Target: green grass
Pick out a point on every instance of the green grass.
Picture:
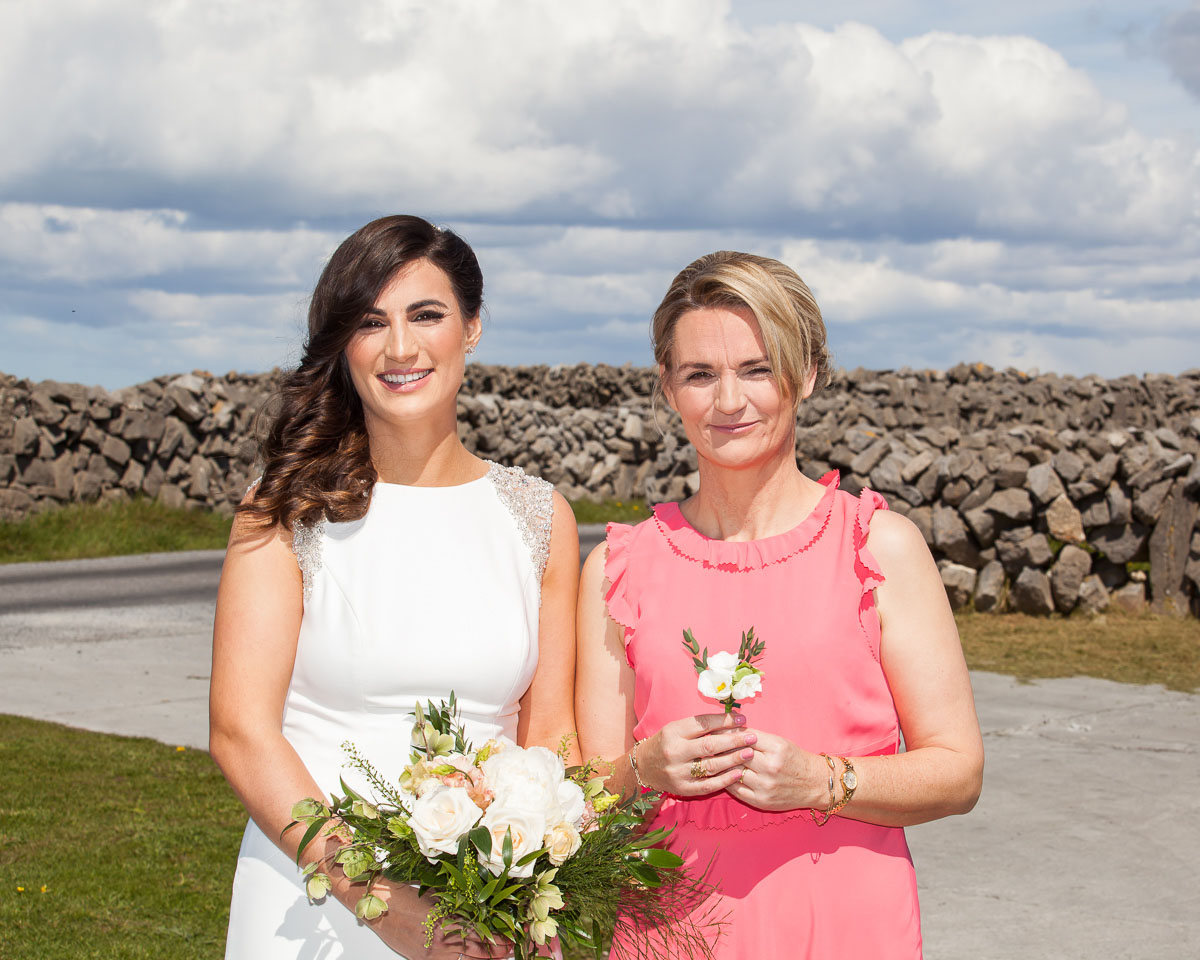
(125, 847)
(1115, 646)
(618, 511)
(81, 530)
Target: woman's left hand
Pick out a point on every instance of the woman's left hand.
(781, 776)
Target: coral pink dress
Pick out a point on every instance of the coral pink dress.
(789, 888)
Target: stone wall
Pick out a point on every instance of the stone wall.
(1036, 493)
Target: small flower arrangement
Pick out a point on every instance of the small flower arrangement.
(724, 677)
(510, 844)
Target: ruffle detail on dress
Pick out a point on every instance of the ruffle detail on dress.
(741, 556)
(866, 567)
(616, 566)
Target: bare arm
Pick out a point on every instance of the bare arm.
(941, 771)
(604, 701)
(259, 607)
(547, 708)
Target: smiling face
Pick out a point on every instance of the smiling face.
(406, 359)
(720, 382)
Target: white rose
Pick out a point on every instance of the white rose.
(440, 817)
(562, 842)
(749, 686)
(723, 661)
(571, 801)
(527, 826)
(526, 779)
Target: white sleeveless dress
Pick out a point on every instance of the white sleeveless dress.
(435, 589)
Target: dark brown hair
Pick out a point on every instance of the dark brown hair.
(316, 457)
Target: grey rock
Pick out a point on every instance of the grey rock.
(1064, 521)
(1169, 545)
(1130, 598)
(989, 588)
(1043, 483)
(886, 476)
(982, 524)
(959, 582)
(1120, 543)
(633, 429)
(868, 459)
(1035, 551)
(116, 450)
(951, 538)
(922, 518)
(26, 436)
(1148, 501)
(1067, 576)
(1031, 593)
(186, 406)
(45, 411)
(1179, 465)
(1014, 505)
(169, 495)
(1101, 472)
(1093, 595)
(85, 485)
(978, 494)
(917, 466)
(1120, 503)
(1068, 466)
(1095, 514)
(131, 480)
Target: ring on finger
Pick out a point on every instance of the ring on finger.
(698, 770)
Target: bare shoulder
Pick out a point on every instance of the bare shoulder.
(893, 539)
(593, 567)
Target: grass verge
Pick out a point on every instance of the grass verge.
(124, 848)
(1115, 646)
(81, 530)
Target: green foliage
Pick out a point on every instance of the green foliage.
(133, 842)
(82, 530)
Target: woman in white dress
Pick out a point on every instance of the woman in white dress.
(377, 564)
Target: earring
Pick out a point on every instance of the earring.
(470, 349)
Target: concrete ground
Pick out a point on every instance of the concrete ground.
(1085, 844)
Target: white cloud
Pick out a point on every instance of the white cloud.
(178, 173)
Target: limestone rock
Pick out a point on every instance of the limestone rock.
(1067, 576)
(1120, 543)
(951, 538)
(1043, 483)
(1169, 545)
(1031, 593)
(1064, 521)
(959, 582)
(1093, 595)
(1014, 505)
(989, 588)
(1130, 598)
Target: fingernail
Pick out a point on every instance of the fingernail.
(749, 739)
(739, 720)
(747, 754)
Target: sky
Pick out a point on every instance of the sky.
(1015, 183)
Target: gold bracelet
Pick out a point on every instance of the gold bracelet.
(849, 781)
(633, 763)
(829, 811)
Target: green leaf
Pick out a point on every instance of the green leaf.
(507, 849)
(530, 857)
(647, 875)
(350, 794)
(313, 829)
(504, 893)
(658, 857)
(482, 838)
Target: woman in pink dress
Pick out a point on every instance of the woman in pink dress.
(798, 801)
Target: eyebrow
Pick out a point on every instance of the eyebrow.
(700, 365)
(376, 312)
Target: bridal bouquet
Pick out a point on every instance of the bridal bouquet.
(510, 845)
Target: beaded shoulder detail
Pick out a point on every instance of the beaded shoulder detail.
(530, 501)
(306, 545)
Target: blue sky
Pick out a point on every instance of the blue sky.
(1017, 183)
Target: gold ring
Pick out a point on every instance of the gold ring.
(698, 770)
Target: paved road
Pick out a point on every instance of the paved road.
(1086, 842)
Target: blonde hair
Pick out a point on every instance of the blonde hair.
(786, 311)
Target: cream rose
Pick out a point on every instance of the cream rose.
(561, 841)
(440, 817)
(528, 826)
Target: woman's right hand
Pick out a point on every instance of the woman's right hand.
(402, 927)
(717, 742)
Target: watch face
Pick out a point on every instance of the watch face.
(849, 780)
